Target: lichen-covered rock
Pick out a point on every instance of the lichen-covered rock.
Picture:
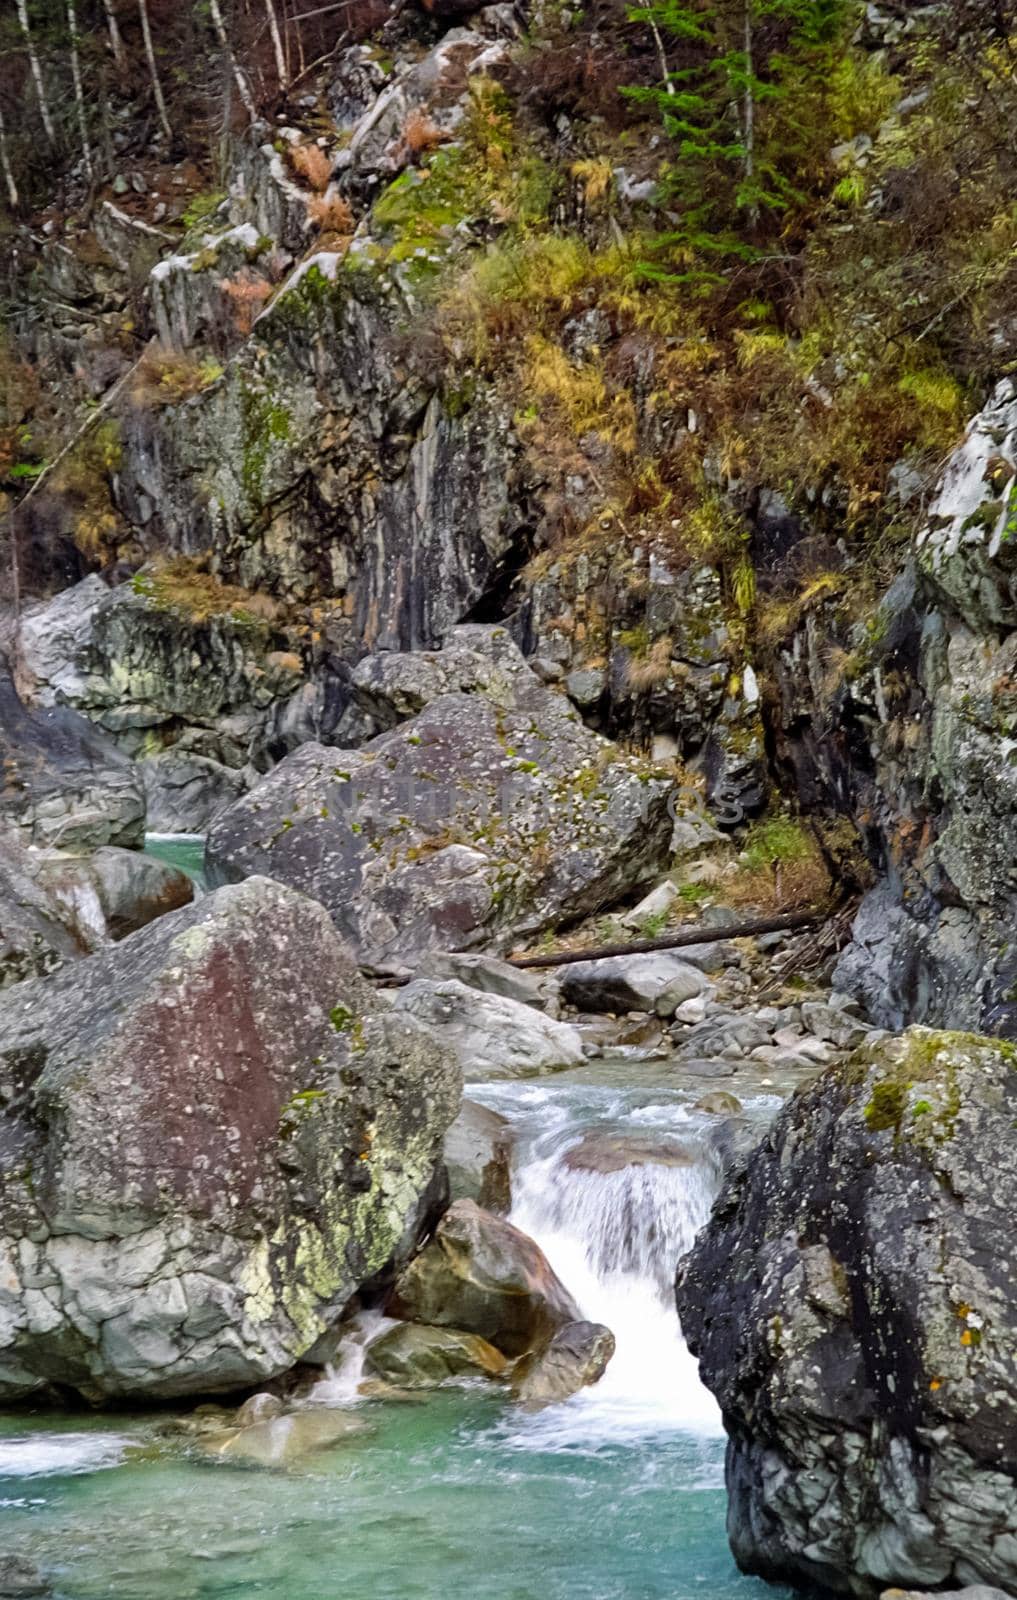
(211, 1137)
(171, 661)
(494, 1037)
(482, 1274)
(64, 782)
(476, 824)
(853, 1303)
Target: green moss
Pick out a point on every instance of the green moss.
(266, 423)
(341, 1018)
(885, 1110)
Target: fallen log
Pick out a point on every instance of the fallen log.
(675, 941)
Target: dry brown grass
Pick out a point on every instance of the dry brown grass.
(310, 162)
(420, 134)
(166, 377)
(332, 213)
(649, 671)
(185, 584)
(246, 294)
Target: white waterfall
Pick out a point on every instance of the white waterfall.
(615, 1238)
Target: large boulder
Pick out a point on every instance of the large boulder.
(631, 983)
(493, 1036)
(482, 1274)
(112, 892)
(210, 1139)
(487, 818)
(64, 782)
(853, 1303)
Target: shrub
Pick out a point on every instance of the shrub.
(166, 377)
(331, 212)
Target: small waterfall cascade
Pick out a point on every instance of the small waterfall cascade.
(615, 1194)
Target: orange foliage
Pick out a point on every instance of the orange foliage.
(331, 213)
(310, 162)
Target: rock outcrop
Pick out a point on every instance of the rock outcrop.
(484, 819)
(211, 1137)
(853, 1303)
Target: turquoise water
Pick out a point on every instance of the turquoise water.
(454, 1497)
(183, 850)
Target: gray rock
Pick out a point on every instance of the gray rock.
(64, 783)
(832, 1024)
(113, 892)
(493, 1037)
(490, 976)
(259, 1408)
(630, 983)
(211, 1138)
(475, 824)
(21, 1579)
(184, 791)
(655, 904)
(576, 1358)
(853, 1303)
(478, 1148)
(36, 933)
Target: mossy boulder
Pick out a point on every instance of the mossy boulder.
(210, 1137)
(853, 1303)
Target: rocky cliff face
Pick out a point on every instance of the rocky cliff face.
(913, 737)
(853, 1304)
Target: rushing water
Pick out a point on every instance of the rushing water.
(615, 1495)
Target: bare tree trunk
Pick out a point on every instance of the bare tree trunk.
(5, 164)
(243, 87)
(665, 70)
(160, 103)
(79, 93)
(749, 112)
(33, 61)
(273, 28)
(115, 36)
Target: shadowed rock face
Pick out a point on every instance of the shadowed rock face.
(478, 822)
(209, 1139)
(853, 1303)
(36, 934)
(62, 781)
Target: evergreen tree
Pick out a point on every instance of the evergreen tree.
(739, 82)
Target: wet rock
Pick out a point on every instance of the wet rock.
(36, 935)
(973, 1591)
(414, 1357)
(21, 1579)
(281, 1441)
(493, 1037)
(718, 1103)
(211, 1138)
(475, 824)
(259, 1408)
(576, 1357)
(478, 1149)
(64, 783)
(612, 1152)
(482, 1274)
(630, 983)
(855, 1316)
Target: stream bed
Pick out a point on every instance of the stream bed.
(616, 1494)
